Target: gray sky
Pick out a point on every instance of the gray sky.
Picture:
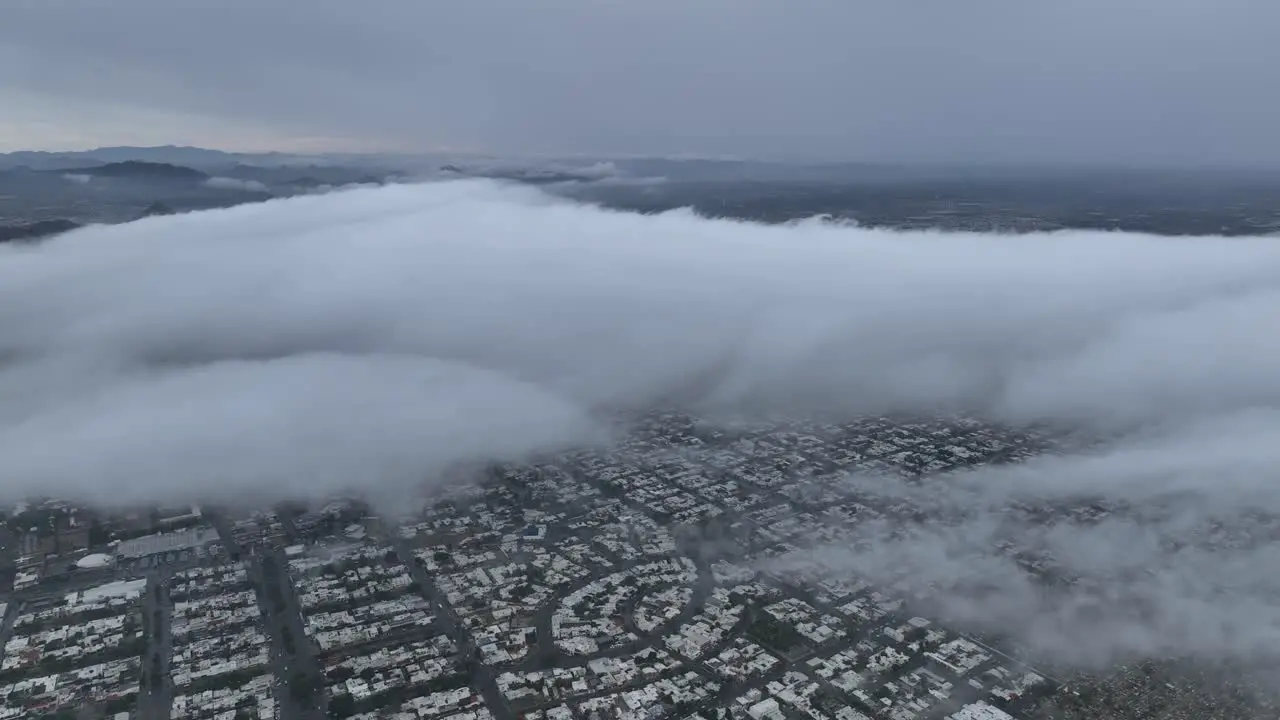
(1129, 81)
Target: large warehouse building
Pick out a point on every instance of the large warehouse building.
(148, 545)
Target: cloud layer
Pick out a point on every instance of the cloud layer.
(373, 338)
(574, 309)
(226, 183)
(1156, 546)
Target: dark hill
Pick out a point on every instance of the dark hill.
(36, 230)
(306, 183)
(538, 177)
(180, 205)
(136, 169)
(155, 208)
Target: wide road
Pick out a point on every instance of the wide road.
(292, 652)
(483, 677)
(13, 606)
(155, 691)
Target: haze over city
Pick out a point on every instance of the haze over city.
(367, 340)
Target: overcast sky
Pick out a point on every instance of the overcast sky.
(1130, 81)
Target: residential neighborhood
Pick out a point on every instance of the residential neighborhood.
(638, 582)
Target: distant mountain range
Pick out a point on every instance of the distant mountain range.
(168, 154)
(110, 185)
(528, 176)
(44, 193)
(327, 169)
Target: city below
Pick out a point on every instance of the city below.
(639, 360)
(664, 577)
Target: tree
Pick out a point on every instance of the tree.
(301, 686)
(342, 706)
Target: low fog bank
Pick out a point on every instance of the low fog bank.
(227, 183)
(1153, 545)
(372, 339)
(135, 357)
(257, 431)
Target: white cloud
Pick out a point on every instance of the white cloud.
(373, 337)
(226, 183)
(608, 309)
